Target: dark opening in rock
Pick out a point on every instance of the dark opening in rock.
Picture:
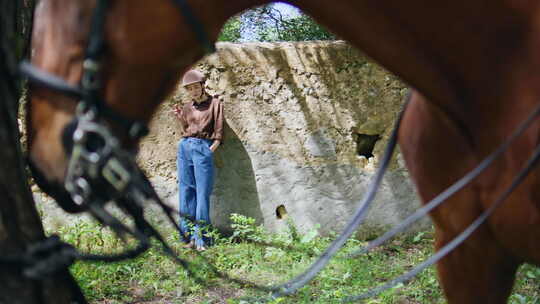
(281, 212)
(365, 144)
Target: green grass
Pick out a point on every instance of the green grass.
(253, 255)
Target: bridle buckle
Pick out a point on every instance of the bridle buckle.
(90, 79)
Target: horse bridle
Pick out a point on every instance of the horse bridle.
(96, 157)
(98, 161)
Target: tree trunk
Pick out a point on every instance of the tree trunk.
(20, 225)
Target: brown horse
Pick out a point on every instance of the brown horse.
(476, 62)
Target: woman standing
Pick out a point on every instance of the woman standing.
(202, 123)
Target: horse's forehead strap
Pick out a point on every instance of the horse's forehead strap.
(134, 128)
(42, 78)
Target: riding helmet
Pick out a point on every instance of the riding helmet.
(192, 76)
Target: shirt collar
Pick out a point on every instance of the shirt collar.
(203, 104)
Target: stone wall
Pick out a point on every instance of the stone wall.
(301, 120)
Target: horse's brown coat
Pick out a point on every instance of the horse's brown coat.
(476, 62)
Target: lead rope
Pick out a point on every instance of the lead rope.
(441, 198)
(462, 182)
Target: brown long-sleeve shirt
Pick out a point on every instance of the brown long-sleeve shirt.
(203, 120)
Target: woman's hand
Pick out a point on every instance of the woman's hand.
(215, 145)
(177, 110)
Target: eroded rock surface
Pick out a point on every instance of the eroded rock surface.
(307, 124)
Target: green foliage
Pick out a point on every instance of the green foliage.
(267, 259)
(267, 23)
(245, 229)
(231, 30)
(301, 28)
(270, 25)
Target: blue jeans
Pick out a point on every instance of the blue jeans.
(195, 166)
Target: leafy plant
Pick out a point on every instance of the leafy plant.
(246, 229)
(231, 31)
(268, 23)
